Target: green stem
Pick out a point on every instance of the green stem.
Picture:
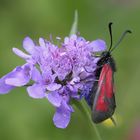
(91, 122)
(83, 108)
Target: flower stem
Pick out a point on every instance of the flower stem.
(83, 108)
(93, 125)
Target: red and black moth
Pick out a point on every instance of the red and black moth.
(102, 97)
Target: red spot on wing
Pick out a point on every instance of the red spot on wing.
(109, 81)
(105, 88)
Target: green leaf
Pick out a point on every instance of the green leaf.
(74, 27)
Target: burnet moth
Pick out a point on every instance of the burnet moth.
(102, 95)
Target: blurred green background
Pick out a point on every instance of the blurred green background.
(24, 118)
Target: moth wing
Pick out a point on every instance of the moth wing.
(104, 101)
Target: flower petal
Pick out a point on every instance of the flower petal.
(4, 88)
(42, 42)
(36, 91)
(97, 45)
(20, 76)
(62, 116)
(54, 98)
(21, 54)
(53, 86)
(75, 80)
(36, 76)
(29, 45)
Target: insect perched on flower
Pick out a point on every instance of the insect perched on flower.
(61, 74)
(101, 98)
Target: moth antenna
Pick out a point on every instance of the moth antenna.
(113, 121)
(110, 33)
(121, 38)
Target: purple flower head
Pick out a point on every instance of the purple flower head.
(59, 74)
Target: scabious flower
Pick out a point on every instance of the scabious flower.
(58, 74)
